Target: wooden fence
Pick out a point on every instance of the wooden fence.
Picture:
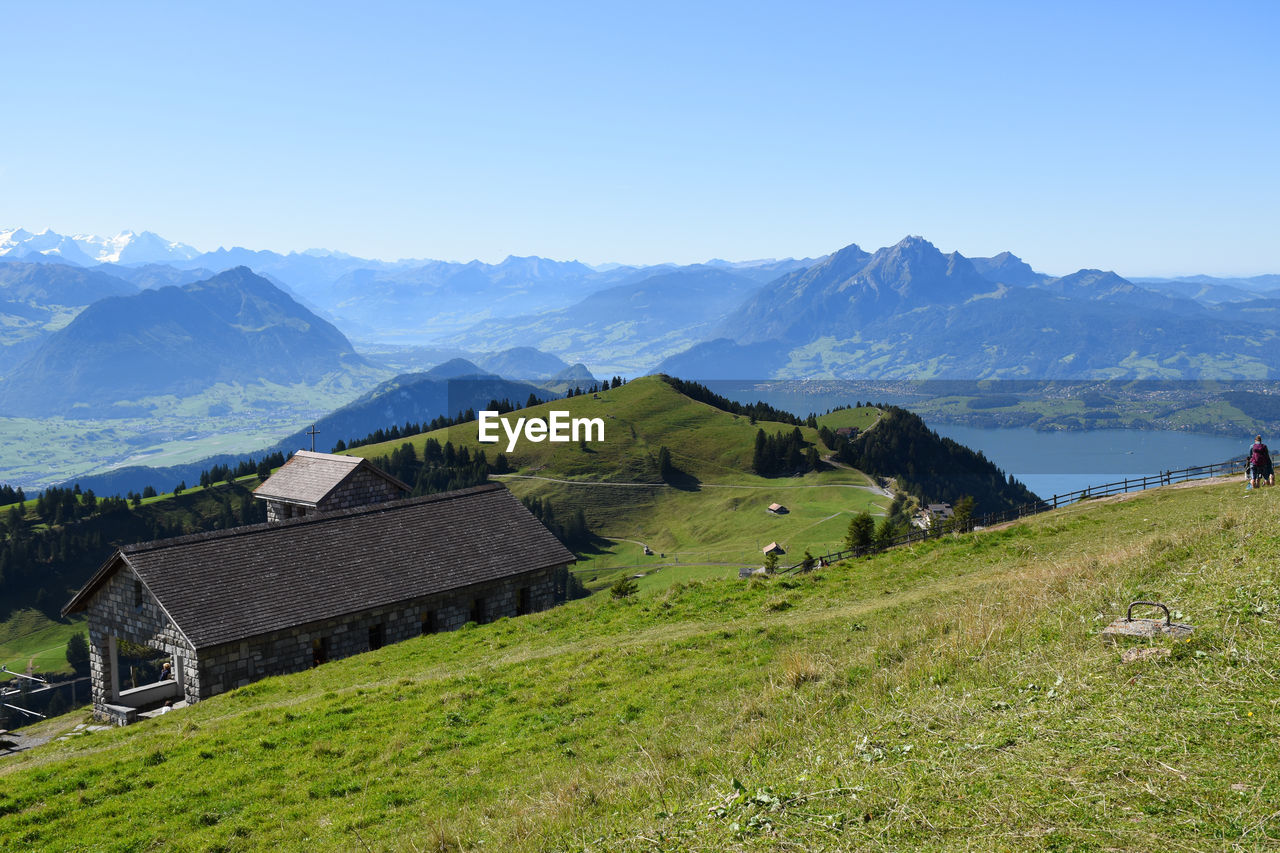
(1120, 487)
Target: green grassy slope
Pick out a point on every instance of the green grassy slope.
(30, 637)
(716, 514)
(954, 695)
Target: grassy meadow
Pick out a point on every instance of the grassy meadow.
(953, 695)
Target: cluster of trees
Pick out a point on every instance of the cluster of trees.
(135, 498)
(783, 454)
(615, 382)
(440, 468)
(62, 506)
(10, 495)
(929, 467)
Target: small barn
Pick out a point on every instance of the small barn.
(234, 606)
(321, 482)
(778, 509)
(773, 548)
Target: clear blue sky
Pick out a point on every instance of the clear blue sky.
(1136, 136)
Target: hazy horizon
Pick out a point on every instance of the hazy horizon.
(603, 265)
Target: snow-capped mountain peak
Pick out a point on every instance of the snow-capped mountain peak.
(127, 247)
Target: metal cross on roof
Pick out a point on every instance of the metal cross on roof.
(313, 432)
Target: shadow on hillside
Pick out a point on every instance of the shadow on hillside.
(594, 546)
(684, 482)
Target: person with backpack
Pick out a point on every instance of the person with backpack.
(1260, 463)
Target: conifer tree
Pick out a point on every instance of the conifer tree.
(861, 532)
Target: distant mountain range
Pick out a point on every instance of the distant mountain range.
(403, 302)
(909, 311)
(1210, 290)
(906, 310)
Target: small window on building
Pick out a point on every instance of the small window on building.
(522, 602)
(138, 597)
(377, 636)
(429, 624)
(477, 611)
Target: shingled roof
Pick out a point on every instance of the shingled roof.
(308, 477)
(234, 584)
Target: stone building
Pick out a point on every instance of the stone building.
(320, 482)
(233, 606)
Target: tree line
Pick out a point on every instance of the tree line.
(615, 382)
(757, 411)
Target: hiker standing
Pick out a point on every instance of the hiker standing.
(1260, 462)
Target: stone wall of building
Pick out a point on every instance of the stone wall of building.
(125, 609)
(236, 664)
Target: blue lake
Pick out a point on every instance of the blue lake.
(1052, 463)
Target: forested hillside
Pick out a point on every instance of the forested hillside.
(929, 467)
